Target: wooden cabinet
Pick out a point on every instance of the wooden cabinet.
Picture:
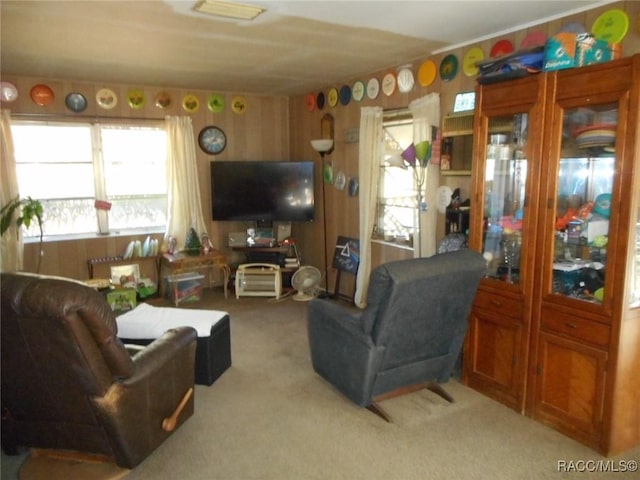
(555, 329)
(496, 340)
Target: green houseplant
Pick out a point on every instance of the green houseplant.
(28, 209)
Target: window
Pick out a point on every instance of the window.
(67, 166)
(397, 193)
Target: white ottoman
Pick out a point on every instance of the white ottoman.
(145, 323)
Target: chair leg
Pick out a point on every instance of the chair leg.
(438, 390)
(435, 387)
(378, 410)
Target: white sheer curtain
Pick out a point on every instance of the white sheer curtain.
(12, 251)
(369, 160)
(426, 114)
(185, 208)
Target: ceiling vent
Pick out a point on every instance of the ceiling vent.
(228, 9)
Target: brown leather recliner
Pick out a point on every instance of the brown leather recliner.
(68, 382)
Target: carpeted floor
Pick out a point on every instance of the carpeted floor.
(271, 417)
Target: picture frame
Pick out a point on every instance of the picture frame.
(125, 275)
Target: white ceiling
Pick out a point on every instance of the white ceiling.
(293, 48)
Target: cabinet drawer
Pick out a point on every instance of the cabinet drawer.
(577, 328)
(496, 303)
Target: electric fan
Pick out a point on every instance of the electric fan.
(306, 281)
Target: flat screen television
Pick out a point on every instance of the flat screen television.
(262, 191)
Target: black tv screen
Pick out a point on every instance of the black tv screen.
(262, 191)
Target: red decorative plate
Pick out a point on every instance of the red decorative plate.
(501, 47)
(310, 102)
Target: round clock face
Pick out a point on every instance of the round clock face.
(212, 140)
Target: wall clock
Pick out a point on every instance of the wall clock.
(212, 140)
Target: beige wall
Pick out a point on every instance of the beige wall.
(275, 128)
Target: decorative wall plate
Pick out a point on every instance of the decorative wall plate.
(239, 104)
(340, 181)
(136, 98)
(534, 39)
(358, 90)
(373, 88)
(106, 98)
(163, 100)
(310, 102)
(573, 27)
(76, 102)
(332, 97)
(42, 95)
(406, 81)
(612, 26)
(473, 55)
(449, 67)
(8, 92)
(215, 102)
(345, 95)
(320, 100)
(190, 103)
(389, 84)
(427, 73)
(501, 47)
(212, 140)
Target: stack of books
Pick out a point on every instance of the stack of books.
(291, 262)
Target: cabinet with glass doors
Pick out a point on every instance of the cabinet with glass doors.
(555, 329)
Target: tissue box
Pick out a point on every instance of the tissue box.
(560, 51)
(184, 287)
(568, 50)
(589, 50)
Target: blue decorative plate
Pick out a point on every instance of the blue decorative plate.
(76, 102)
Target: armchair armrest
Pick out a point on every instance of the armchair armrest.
(341, 351)
(134, 408)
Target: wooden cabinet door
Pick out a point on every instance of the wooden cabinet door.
(570, 389)
(495, 356)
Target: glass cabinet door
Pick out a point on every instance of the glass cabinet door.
(505, 180)
(583, 202)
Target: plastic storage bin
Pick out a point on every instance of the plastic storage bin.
(184, 287)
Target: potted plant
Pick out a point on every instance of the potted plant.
(28, 209)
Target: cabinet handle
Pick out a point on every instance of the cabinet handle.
(571, 325)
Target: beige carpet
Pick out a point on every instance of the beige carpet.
(271, 417)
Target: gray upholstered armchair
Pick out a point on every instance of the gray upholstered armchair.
(408, 337)
(69, 384)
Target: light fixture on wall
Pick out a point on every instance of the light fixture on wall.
(323, 147)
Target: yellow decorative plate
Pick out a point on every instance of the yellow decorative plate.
(239, 104)
(333, 97)
(473, 55)
(190, 103)
(136, 98)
